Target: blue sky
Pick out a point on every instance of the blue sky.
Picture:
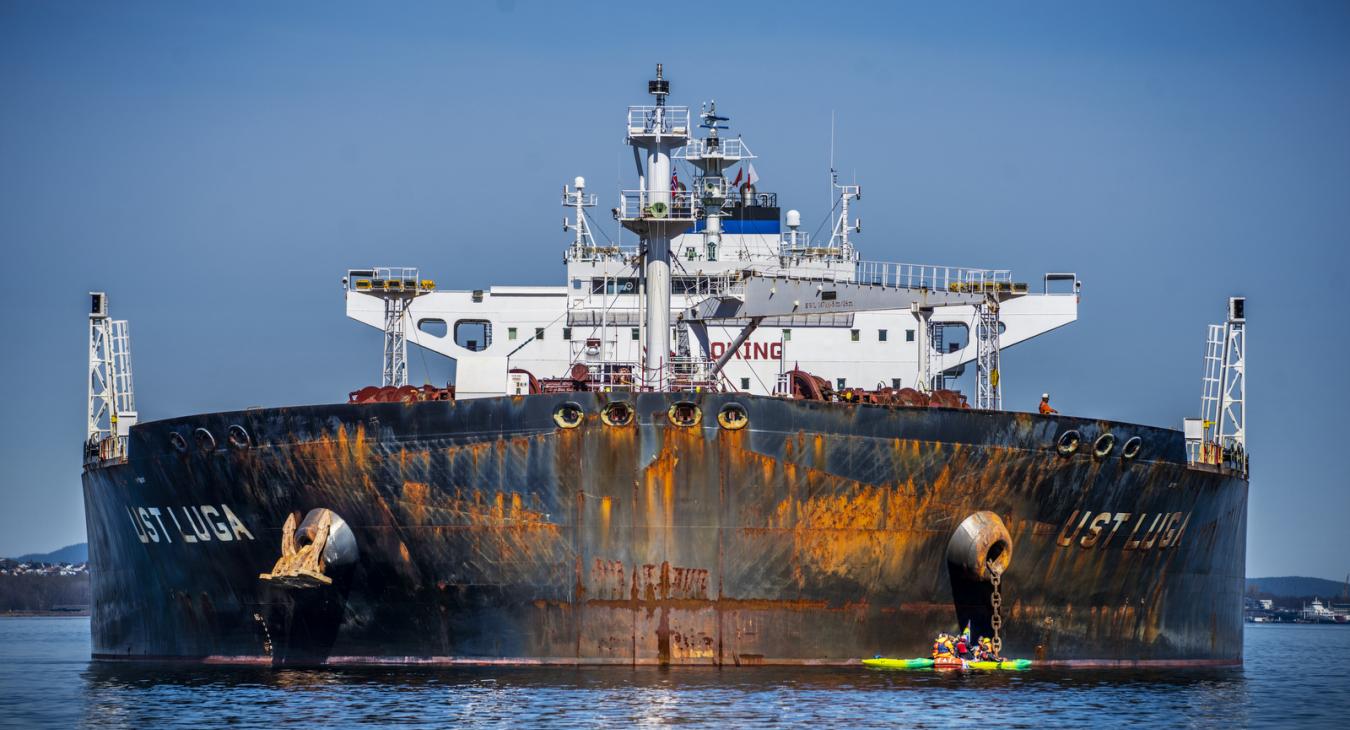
(217, 166)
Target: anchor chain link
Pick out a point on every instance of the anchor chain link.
(996, 602)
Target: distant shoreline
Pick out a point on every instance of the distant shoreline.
(84, 612)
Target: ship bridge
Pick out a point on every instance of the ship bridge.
(722, 290)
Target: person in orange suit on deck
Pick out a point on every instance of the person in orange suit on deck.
(1045, 405)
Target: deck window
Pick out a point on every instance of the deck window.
(473, 334)
(854, 335)
(433, 327)
(881, 335)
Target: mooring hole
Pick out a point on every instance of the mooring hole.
(996, 552)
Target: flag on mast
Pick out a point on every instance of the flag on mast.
(746, 172)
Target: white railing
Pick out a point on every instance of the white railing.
(672, 120)
(903, 276)
(728, 149)
(920, 276)
(649, 205)
(707, 285)
(874, 273)
(600, 253)
(690, 373)
(386, 279)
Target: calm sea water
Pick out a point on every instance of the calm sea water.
(1293, 675)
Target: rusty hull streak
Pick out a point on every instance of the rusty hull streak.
(817, 535)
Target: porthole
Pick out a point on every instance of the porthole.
(1132, 447)
(239, 438)
(733, 417)
(178, 443)
(1068, 442)
(684, 414)
(568, 415)
(205, 441)
(1101, 448)
(617, 414)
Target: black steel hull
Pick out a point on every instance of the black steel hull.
(818, 534)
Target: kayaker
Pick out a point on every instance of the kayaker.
(965, 648)
(985, 652)
(942, 648)
(962, 648)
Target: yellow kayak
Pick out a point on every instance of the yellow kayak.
(880, 663)
(1010, 664)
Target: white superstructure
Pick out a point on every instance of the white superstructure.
(631, 315)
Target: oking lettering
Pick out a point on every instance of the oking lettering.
(1143, 531)
(749, 351)
(187, 524)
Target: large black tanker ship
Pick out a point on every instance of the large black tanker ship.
(645, 508)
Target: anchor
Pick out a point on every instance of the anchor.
(309, 547)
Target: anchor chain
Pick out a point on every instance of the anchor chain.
(996, 602)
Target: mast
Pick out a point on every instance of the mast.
(656, 216)
(583, 243)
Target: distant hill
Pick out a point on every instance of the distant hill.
(68, 554)
(1292, 586)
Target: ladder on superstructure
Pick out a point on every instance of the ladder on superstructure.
(1222, 434)
(988, 392)
(111, 410)
(395, 372)
(1212, 382)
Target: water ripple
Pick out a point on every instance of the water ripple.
(46, 680)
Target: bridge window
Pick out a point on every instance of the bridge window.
(433, 327)
(881, 335)
(787, 335)
(614, 286)
(854, 335)
(538, 333)
(909, 335)
(635, 333)
(510, 333)
(473, 334)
